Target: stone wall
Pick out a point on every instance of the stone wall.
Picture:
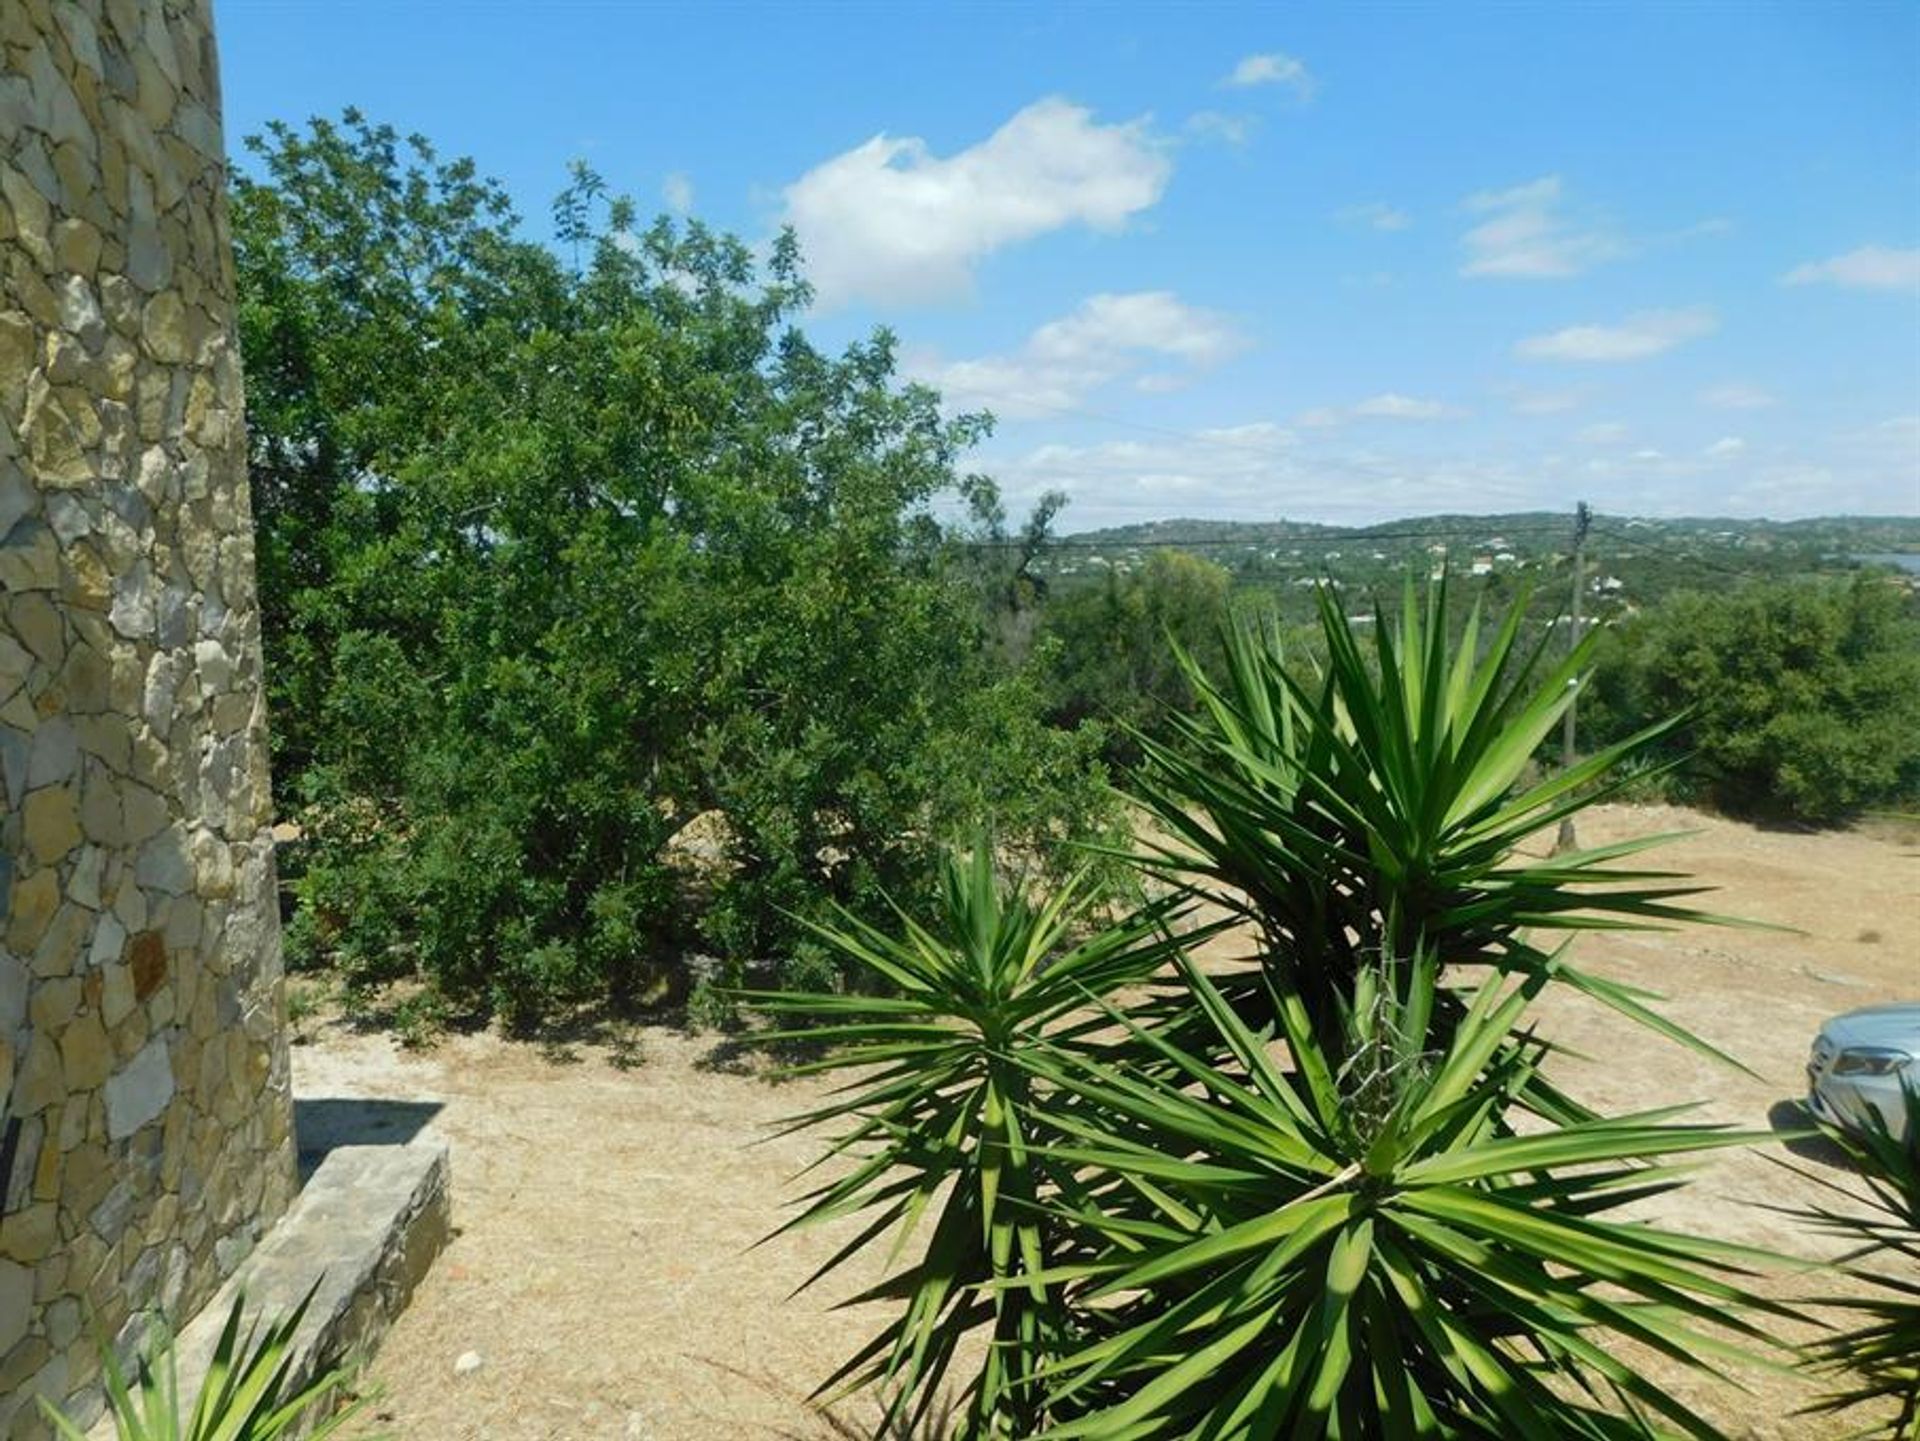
(141, 1050)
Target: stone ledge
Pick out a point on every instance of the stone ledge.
(367, 1226)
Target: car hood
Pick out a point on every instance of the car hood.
(1896, 1026)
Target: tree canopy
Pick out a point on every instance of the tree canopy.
(562, 548)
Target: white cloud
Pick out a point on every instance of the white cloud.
(1392, 406)
(1253, 472)
(1272, 68)
(1386, 406)
(1544, 402)
(1265, 470)
(1377, 214)
(1607, 432)
(1525, 236)
(1725, 448)
(1871, 267)
(1642, 334)
(1235, 130)
(1736, 395)
(890, 221)
(1108, 338)
(677, 191)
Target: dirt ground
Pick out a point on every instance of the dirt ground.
(607, 1198)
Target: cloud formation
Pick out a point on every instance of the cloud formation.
(1526, 236)
(1272, 68)
(1107, 338)
(677, 191)
(1387, 406)
(1736, 395)
(1871, 267)
(891, 222)
(1642, 334)
(1376, 214)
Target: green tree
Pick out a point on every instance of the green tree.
(561, 556)
(1802, 697)
(1108, 655)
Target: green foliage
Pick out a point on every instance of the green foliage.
(1802, 698)
(1381, 811)
(943, 1126)
(1330, 1195)
(1874, 1363)
(245, 1396)
(1110, 658)
(1358, 1244)
(558, 558)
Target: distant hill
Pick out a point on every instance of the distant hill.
(1631, 561)
(1843, 533)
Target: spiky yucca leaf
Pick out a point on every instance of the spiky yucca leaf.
(245, 1395)
(1383, 810)
(1875, 1363)
(1357, 1245)
(940, 1102)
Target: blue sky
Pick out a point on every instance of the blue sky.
(1327, 263)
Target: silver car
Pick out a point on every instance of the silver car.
(1860, 1063)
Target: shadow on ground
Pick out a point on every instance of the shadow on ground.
(323, 1124)
(1800, 1134)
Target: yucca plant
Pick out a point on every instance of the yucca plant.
(1353, 1244)
(1383, 810)
(1874, 1364)
(245, 1396)
(941, 1115)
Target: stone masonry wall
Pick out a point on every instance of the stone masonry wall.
(141, 1047)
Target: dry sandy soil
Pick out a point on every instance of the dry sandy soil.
(608, 1199)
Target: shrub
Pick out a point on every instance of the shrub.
(1802, 699)
(1328, 1194)
(245, 1395)
(1873, 1363)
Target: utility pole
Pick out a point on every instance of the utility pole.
(1582, 519)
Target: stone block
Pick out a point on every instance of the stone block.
(141, 1091)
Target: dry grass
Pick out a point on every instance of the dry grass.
(605, 1267)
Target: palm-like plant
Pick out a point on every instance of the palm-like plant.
(1382, 811)
(1355, 1245)
(245, 1396)
(1876, 1361)
(943, 1114)
(1173, 1231)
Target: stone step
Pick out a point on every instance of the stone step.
(366, 1227)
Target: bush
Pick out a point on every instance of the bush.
(555, 559)
(1326, 1193)
(1802, 698)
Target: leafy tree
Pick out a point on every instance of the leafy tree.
(558, 558)
(1802, 698)
(1110, 659)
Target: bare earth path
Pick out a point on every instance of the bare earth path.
(602, 1269)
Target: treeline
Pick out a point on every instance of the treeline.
(608, 620)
